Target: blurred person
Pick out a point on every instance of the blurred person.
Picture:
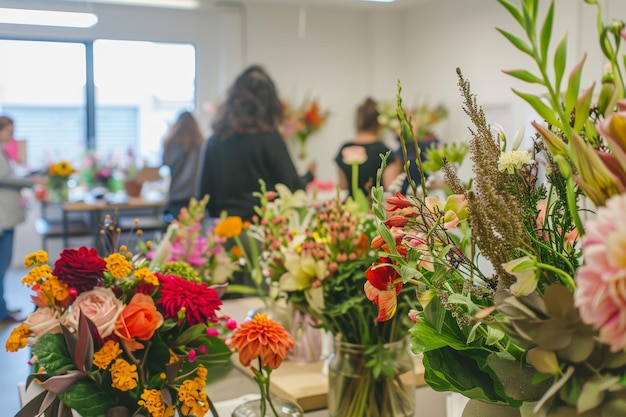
(246, 147)
(368, 137)
(12, 210)
(181, 153)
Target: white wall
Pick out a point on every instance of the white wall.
(347, 54)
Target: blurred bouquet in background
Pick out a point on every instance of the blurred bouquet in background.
(96, 171)
(519, 274)
(188, 251)
(302, 122)
(57, 189)
(111, 337)
(422, 118)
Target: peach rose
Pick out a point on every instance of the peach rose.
(138, 320)
(99, 305)
(42, 321)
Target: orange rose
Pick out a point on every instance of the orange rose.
(138, 320)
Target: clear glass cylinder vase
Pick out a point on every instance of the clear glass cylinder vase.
(371, 380)
(282, 408)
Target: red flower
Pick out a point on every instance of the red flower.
(80, 268)
(198, 301)
(398, 202)
(382, 287)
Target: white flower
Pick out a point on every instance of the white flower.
(511, 161)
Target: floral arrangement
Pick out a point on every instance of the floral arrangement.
(316, 253)
(57, 189)
(186, 248)
(422, 118)
(266, 341)
(524, 293)
(111, 337)
(98, 172)
(301, 122)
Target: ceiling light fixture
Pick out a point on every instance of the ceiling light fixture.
(47, 18)
(380, 1)
(171, 4)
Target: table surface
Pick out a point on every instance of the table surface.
(237, 383)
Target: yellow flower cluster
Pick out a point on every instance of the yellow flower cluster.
(53, 290)
(145, 275)
(110, 351)
(119, 266)
(37, 275)
(39, 257)
(124, 375)
(50, 288)
(61, 169)
(18, 338)
(152, 401)
(194, 401)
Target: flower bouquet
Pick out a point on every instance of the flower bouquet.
(302, 122)
(318, 254)
(112, 338)
(185, 246)
(525, 296)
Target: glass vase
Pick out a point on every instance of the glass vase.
(58, 190)
(476, 408)
(283, 408)
(357, 387)
(308, 337)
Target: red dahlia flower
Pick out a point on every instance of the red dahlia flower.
(198, 300)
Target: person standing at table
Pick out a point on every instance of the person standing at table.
(246, 147)
(368, 138)
(181, 153)
(12, 210)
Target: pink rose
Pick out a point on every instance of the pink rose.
(100, 306)
(42, 321)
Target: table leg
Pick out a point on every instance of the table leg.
(64, 226)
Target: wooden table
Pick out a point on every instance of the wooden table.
(99, 209)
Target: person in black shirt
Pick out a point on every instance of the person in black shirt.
(367, 137)
(246, 146)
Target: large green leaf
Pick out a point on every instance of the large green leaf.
(582, 109)
(52, 354)
(448, 370)
(88, 399)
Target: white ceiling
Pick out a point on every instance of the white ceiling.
(396, 5)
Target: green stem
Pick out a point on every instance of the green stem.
(355, 179)
(568, 280)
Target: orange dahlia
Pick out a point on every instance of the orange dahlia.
(262, 338)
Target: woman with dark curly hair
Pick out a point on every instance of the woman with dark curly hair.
(246, 147)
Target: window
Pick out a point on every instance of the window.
(139, 89)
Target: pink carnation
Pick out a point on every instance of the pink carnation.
(601, 281)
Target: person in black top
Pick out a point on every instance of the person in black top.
(368, 138)
(246, 146)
